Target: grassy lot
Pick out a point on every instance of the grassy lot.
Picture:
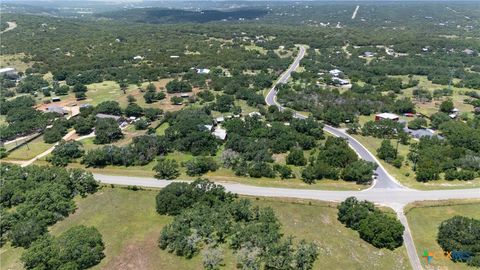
(254, 47)
(432, 107)
(14, 60)
(130, 228)
(405, 174)
(424, 219)
(161, 129)
(110, 90)
(34, 148)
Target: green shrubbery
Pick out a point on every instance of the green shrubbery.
(373, 226)
(207, 216)
(461, 234)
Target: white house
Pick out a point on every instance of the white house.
(385, 116)
(335, 72)
(9, 71)
(220, 133)
(203, 70)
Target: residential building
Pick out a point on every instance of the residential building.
(386, 116)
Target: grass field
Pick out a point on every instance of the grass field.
(406, 175)
(130, 228)
(432, 107)
(14, 60)
(424, 219)
(34, 148)
(161, 129)
(110, 90)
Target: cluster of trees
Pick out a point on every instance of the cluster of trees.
(65, 152)
(337, 160)
(207, 217)
(461, 234)
(254, 141)
(456, 155)
(177, 86)
(21, 118)
(384, 129)
(142, 150)
(79, 247)
(33, 198)
(390, 154)
(57, 131)
(187, 132)
(334, 107)
(151, 94)
(373, 226)
(107, 131)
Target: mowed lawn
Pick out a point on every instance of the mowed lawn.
(424, 221)
(130, 228)
(30, 150)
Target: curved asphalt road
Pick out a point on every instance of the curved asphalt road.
(384, 179)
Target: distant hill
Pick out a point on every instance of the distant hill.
(158, 15)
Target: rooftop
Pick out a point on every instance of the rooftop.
(387, 115)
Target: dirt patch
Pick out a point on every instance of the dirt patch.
(136, 255)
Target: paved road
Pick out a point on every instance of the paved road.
(394, 198)
(384, 179)
(272, 94)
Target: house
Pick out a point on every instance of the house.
(368, 54)
(9, 72)
(220, 133)
(469, 51)
(422, 132)
(220, 119)
(109, 116)
(57, 109)
(339, 81)
(335, 72)
(208, 127)
(203, 70)
(252, 114)
(386, 116)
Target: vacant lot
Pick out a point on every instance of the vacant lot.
(130, 228)
(424, 220)
(14, 60)
(433, 106)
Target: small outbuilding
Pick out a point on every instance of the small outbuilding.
(386, 116)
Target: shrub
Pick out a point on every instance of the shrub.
(200, 165)
(166, 169)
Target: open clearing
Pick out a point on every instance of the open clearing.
(130, 228)
(429, 108)
(424, 220)
(14, 60)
